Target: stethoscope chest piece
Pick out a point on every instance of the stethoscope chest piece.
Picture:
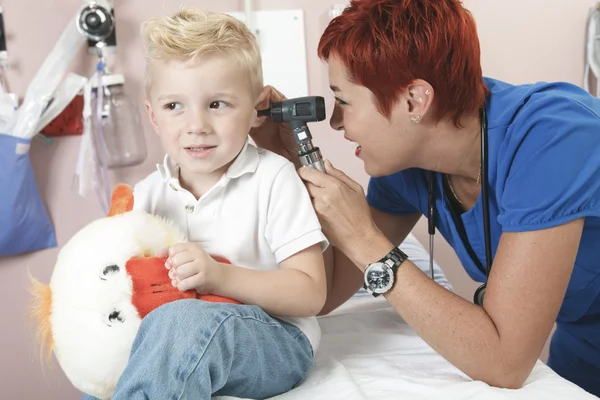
(479, 295)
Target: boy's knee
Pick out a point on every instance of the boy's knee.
(172, 308)
(183, 312)
(191, 320)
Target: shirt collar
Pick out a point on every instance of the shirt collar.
(246, 162)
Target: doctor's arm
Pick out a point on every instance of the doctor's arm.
(343, 278)
(499, 343)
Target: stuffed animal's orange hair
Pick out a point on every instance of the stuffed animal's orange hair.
(40, 311)
(41, 305)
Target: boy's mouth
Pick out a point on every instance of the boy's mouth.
(199, 151)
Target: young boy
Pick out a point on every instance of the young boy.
(247, 205)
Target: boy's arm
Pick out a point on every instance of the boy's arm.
(298, 289)
(294, 235)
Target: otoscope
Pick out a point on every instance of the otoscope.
(298, 112)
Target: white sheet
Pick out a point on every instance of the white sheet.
(368, 352)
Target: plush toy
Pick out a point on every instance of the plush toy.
(107, 277)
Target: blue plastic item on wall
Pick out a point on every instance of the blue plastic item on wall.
(24, 222)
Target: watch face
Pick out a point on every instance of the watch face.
(379, 278)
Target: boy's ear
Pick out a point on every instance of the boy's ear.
(151, 116)
(263, 98)
(262, 103)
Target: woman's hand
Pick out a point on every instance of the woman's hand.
(190, 267)
(274, 136)
(342, 208)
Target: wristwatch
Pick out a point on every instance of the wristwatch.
(380, 276)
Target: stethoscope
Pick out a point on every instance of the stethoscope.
(480, 292)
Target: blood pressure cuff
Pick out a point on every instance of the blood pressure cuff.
(24, 222)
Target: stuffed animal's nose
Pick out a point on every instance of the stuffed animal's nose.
(151, 284)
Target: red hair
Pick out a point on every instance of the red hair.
(387, 44)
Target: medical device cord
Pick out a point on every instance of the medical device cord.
(431, 222)
(101, 148)
(484, 193)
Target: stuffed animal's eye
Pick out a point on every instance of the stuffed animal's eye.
(115, 317)
(109, 270)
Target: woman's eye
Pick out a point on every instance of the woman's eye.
(218, 104)
(340, 101)
(173, 106)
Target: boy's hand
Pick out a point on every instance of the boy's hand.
(190, 267)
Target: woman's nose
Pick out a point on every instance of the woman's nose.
(337, 121)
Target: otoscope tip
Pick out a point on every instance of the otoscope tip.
(264, 113)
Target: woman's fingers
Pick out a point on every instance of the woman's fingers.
(332, 177)
(276, 95)
(323, 189)
(270, 135)
(331, 170)
(269, 95)
(316, 177)
(313, 190)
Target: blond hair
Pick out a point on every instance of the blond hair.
(192, 33)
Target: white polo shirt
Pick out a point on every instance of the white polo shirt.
(256, 216)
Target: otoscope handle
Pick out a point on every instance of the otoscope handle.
(311, 156)
(318, 164)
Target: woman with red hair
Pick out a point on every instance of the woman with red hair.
(516, 166)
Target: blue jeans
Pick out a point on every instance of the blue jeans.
(192, 349)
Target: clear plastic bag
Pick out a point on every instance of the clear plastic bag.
(41, 89)
(112, 135)
(64, 94)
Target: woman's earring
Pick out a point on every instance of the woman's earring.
(415, 119)
(427, 92)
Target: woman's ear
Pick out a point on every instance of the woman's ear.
(420, 99)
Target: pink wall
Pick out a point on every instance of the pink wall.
(522, 41)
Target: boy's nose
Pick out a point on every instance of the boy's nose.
(199, 124)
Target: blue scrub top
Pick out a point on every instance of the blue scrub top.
(544, 170)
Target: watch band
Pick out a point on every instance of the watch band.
(397, 256)
(393, 259)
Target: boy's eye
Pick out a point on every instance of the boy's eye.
(172, 106)
(340, 101)
(218, 104)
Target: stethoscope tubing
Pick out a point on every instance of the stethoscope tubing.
(480, 293)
